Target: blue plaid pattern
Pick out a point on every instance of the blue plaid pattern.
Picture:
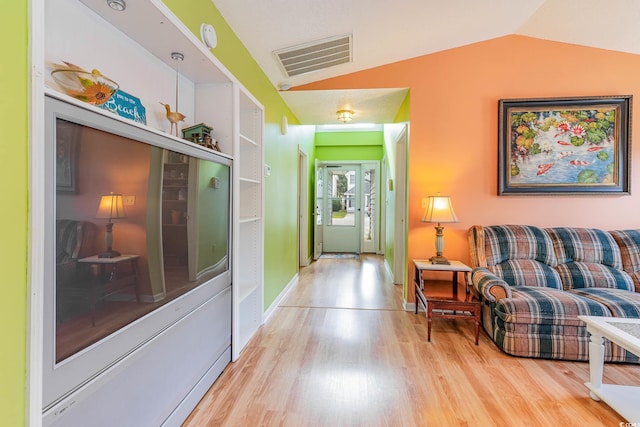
(588, 258)
(619, 302)
(535, 282)
(576, 275)
(543, 322)
(629, 243)
(511, 242)
(539, 306)
(485, 281)
(527, 272)
(585, 245)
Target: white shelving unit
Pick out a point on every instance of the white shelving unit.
(134, 48)
(249, 256)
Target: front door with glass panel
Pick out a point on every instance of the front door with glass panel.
(342, 208)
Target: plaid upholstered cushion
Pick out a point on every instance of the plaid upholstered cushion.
(588, 258)
(527, 272)
(511, 242)
(629, 243)
(620, 303)
(591, 275)
(587, 245)
(544, 341)
(547, 306)
(543, 322)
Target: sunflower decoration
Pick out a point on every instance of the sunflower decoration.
(91, 87)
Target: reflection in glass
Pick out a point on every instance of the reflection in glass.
(341, 197)
(319, 194)
(174, 238)
(369, 204)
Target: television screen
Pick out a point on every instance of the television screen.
(138, 223)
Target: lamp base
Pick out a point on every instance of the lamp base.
(440, 260)
(109, 254)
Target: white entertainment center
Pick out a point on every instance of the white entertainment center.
(160, 379)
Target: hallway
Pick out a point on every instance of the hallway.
(340, 351)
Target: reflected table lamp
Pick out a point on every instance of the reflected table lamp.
(439, 211)
(111, 207)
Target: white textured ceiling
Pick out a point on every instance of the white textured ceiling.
(386, 31)
(370, 105)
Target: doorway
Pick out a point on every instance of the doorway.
(347, 208)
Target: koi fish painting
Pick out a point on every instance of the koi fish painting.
(564, 145)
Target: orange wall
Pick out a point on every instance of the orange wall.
(454, 131)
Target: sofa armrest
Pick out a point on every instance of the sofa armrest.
(490, 286)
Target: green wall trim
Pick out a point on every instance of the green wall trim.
(349, 138)
(14, 117)
(351, 153)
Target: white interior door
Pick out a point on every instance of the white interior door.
(342, 208)
(400, 204)
(317, 212)
(371, 208)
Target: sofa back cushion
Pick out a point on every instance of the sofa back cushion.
(588, 258)
(69, 235)
(521, 255)
(629, 243)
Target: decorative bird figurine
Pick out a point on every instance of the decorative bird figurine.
(174, 117)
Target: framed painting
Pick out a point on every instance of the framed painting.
(67, 135)
(564, 146)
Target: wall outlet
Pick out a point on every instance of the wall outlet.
(129, 200)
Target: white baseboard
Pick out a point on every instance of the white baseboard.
(410, 306)
(278, 300)
(152, 298)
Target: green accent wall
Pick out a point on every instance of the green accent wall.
(359, 146)
(404, 113)
(14, 115)
(281, 151)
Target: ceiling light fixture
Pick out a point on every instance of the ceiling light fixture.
(345, 116)
(118, 5)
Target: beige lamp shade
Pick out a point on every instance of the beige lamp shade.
(440, 210)
(111, 207)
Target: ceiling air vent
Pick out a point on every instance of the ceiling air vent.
(315, 56)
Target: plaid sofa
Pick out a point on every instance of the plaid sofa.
(534, 282)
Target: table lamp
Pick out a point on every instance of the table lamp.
(111, 207)
(439, 210)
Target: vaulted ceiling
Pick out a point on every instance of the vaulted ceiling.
(386, 31)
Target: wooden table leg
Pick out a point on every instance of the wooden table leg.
(415, 282)
(455, 285)
(429, 319)
(476, 313)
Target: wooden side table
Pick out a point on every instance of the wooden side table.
(107, 280)
(466, 307)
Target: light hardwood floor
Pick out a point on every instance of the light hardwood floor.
(340, 351)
